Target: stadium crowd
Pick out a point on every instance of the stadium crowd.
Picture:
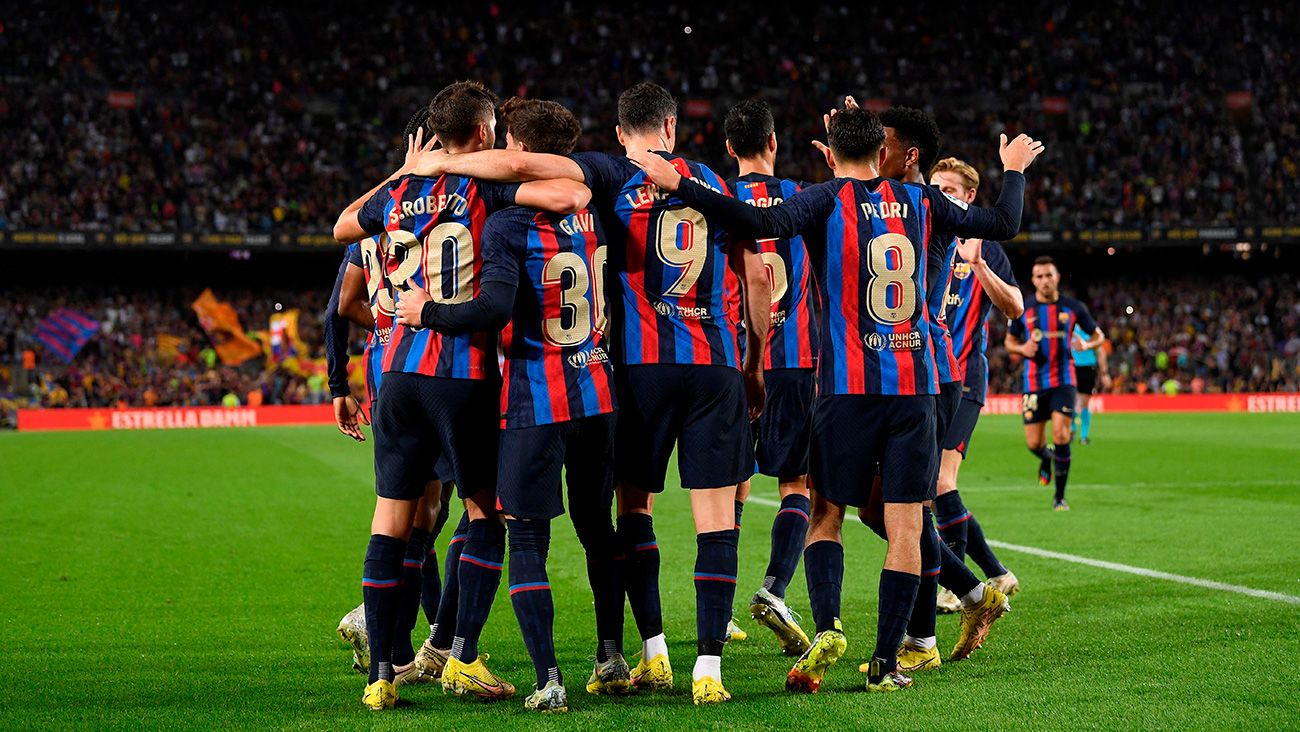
(1189, 334)
(150, 350)
(120, 116)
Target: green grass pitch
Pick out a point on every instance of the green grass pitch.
(193, 579)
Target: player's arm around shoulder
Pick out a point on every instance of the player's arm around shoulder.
(505, 166)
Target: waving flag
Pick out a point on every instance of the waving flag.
(65, 331)
(221, 322)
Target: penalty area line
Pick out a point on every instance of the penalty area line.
(1117, 567)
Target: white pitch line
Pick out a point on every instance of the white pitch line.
(1117, 567)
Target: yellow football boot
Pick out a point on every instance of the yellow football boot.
(654, 673)
(826, 649)
(1007, 583)
(976, 621)
(431, 660)
(380, 695)
(771, 612)
(474, 679)
(352, 629)
(911, 660)
(734, 632)
(892, 681)
(708, 690)
(612, 677)
(549, 699)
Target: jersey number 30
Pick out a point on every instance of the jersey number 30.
(583, 315)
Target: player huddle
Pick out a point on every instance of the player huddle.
(543, 319)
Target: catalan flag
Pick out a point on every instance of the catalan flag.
(65, 331)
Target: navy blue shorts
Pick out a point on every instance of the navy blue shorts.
(441, 471)
(531, 460)
(700, 410)
(1086, 376)
(1039, 405)
(785, 428)
(430, 425)
(854, 436)
(961, 427)
(945, 407)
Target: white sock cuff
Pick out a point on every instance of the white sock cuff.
(710, 666)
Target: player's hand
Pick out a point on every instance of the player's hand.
(1078, 344)
(410, 306)
(349, 416)
(416, 148)
(1020, 152)
(1030, 349)
(660, 172)
(1105, 382)
(971, 250)
(755, 392)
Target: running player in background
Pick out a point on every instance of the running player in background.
(870, 238)
(1042, 336)
(675, 309)
(557, 401)
(981, 278)
(440, 392)
(789, 370)
(1092, 371)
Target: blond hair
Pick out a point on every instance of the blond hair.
(969, 177)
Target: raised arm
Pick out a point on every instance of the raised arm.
(348, 228)
(499, 165)
(1003, 220)
(783, 220)
(1005, 296)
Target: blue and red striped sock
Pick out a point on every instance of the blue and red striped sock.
(823, 567)
(480, 575)
(409, 602)
(636, 537)
(530, 594)
(715, 588)
(381, 588)
(443, 628)
(788, 531)
(922, 621)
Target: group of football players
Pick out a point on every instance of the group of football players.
(543, 319)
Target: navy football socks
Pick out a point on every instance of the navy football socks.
(953, 517)
(788, 531)
(530, 594)
(979, 550)
(431, 582)
(604, 573)
(954, 575)
(715, 588)
(381, 587)
(740, 509)
(1062, 464)
(636, 536)
(443, 628)
(409, 600)
(823, 567)
(897, 596)
(479, 572)
(922, 621)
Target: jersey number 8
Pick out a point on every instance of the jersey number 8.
(891, 293)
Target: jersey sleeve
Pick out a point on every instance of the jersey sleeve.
(604, 174)
(783, 220)
(999, 223)
(497, 196)
(371, 215)
(336, 334)
(1085, 319)
(996, 258)
(505, 241)
(1017, 328)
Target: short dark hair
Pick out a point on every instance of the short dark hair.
(855, 133)
(644, 107)
(917, 129)
(417, 120)
(1044, 259)
(459, 109)
(749, 125)
(542, 125)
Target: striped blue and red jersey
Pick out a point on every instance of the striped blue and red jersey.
(944, 359)
(434, 228)
(792, 339)
(967, 313)
(1049, 324)
(870, 244)
(370, 258)
(674, 299)
(556, 367)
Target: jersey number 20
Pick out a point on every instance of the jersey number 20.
(446, 282)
